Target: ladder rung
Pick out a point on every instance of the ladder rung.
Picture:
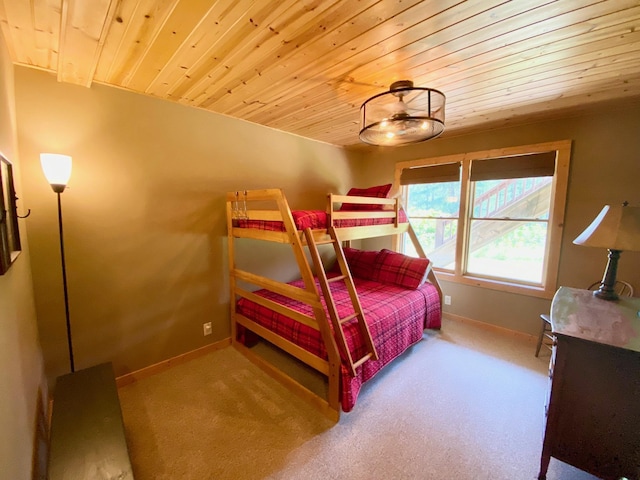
(346, 319)
(325, 242)
(336, 279)
(362, 360)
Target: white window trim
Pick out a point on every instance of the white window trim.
(556, 214)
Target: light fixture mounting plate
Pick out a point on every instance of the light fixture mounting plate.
(401, 84)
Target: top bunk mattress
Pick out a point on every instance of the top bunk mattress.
(316, 220)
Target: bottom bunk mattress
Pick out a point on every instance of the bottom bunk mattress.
(396, 317)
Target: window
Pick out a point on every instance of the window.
(491, 218)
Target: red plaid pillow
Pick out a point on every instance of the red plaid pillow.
(379, 191)
(361, 262)
(402, 270)
(309, 218)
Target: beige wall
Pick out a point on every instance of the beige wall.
(144, 222)
(22, 386)
(144, 218)
(605, 169)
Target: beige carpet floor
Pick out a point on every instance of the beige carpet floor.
(464, 404)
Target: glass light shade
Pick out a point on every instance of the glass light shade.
(617, 227)
(405, 114)
(57, 169)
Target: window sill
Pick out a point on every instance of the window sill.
(500, 285)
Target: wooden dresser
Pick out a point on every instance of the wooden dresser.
(593, 408)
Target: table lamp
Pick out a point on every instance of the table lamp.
(616, 228)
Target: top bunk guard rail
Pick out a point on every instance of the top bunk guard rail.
(389, 208)
(238, 208)
(241, 202)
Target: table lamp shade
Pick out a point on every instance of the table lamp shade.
(617, 227)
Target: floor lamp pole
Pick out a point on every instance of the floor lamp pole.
(64, 283)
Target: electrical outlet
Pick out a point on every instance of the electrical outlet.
(447, 299)
(206, 328)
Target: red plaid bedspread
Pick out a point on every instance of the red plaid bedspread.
(396, 317)
(315, 219)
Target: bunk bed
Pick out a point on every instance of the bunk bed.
(346, 322)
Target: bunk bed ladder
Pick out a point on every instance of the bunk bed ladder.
(345, 275)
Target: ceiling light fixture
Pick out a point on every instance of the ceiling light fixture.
(405, 114)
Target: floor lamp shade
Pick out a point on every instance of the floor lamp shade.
(616, 228)
(57, 169)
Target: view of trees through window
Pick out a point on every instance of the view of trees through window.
(433, 209)
(508, 223)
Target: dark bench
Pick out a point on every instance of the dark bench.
(87, 439)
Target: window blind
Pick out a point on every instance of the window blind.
(521, 166)
(444, 172)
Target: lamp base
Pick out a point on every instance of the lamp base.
(605, 294)
(607, 286)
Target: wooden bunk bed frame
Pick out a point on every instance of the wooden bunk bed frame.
(239, 208)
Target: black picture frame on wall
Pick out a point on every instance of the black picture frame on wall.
(9, 232)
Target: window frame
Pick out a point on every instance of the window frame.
(10, 246)
(559, 189)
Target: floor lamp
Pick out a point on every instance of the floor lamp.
(57, 169)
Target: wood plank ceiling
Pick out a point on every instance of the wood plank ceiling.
(306, 66)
